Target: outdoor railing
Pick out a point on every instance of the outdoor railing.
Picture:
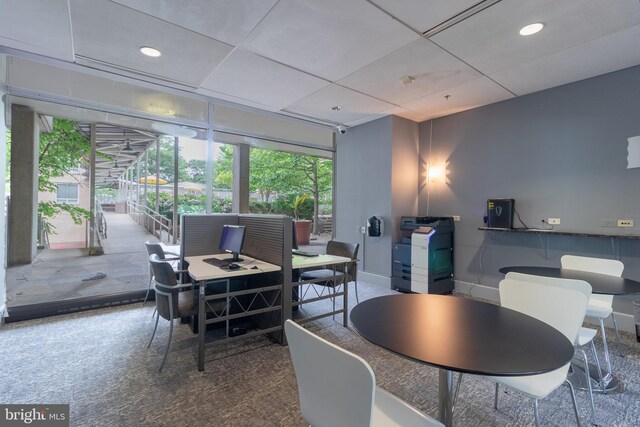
(157, 224)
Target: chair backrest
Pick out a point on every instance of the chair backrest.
(336, 387)
(155, 248)
(612, 267)
(577, 285)
(165, 279)
(558, 306)
(347, 250)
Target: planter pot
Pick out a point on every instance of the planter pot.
(303, 232)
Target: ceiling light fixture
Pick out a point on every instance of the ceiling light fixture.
(128, 146)
(530, 29)
(336, 108)
(150, 51)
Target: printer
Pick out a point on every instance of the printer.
(423, 259)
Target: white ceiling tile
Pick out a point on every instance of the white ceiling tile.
(353, 105)
(433, 70)
(407, 114)
(224, 20)
(249, 76)
(41, 27)
(237, 100)
(490, 41)
(469, 95)
(111, 33)
(604, 55)
(330, 38)
(424, 14)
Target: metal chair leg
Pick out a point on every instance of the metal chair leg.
(606, 348)
(588, 379)
(597, 360)
(355, 285)
(455, 394)
(615, 325)
(166, 351)
(148, 290)
(535, 412)
(573, 400)
(495, 398)
(154, 331)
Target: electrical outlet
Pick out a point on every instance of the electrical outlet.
(553, 221)
(456, 217)
(625, 223)
(363, 230)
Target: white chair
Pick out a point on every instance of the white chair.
(585, 335)
(561, 308)
(338, 388)
(600, 306)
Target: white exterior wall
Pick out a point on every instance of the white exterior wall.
(3, 207)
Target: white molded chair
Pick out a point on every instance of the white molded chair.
(338, 388)
(600, 306)
(585, 335)
(559, 307)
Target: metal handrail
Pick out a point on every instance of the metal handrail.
(156, 223)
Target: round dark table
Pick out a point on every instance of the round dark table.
(461, 335)
(600, 283)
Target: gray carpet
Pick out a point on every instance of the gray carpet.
(98, 362)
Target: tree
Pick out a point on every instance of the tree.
(196, 171)
(166, 162)
(62, 149)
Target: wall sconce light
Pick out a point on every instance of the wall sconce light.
(437, 172)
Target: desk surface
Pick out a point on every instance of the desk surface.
(299, 261)
(600, 283)
(200, 270)
(462, 335)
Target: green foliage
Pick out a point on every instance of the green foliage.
(62, 149)
(188, 203)
(296, 205)
(166, 162)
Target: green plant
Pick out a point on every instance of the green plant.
(297, 203)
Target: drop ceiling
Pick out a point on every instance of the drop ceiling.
(333, 61)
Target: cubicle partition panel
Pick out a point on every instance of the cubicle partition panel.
(269, 238)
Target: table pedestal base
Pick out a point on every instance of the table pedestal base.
(445, 395)
(577, 378)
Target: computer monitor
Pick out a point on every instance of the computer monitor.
(231, 240)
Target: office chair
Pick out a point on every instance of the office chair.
(561, 307)
(347, 250)
(172, 258)
(172, 301)
(585, 335)
(338, 388)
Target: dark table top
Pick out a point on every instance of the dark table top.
(462, 335)
(600, 283)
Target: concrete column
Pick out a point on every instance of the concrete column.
(23, 208)
(240, 202)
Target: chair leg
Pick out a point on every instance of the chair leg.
(166, 351)
(355, 286)
(607, 359)
(455, 393)
(573, 400)
(535, 412)
(154, 330)
(595, 357)
(615, 325)
(495, 398)
(588, 379)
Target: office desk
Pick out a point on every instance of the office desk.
(333, 261)
(462, 335)
(203, 274)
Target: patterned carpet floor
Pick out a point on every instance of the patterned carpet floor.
(99, 363)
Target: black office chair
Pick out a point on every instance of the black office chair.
(347, 250)
(172, 258)
(172, 301)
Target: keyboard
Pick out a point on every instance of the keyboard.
(303, 253)
(217, 262)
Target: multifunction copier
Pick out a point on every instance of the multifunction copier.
(423, 259)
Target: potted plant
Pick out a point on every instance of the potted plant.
(303, 226)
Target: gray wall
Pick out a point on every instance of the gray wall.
(376, 171)
(3, 162)
(559, 153)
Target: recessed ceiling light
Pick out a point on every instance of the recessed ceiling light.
(530, 29)
(150, 51)
(336, 108)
